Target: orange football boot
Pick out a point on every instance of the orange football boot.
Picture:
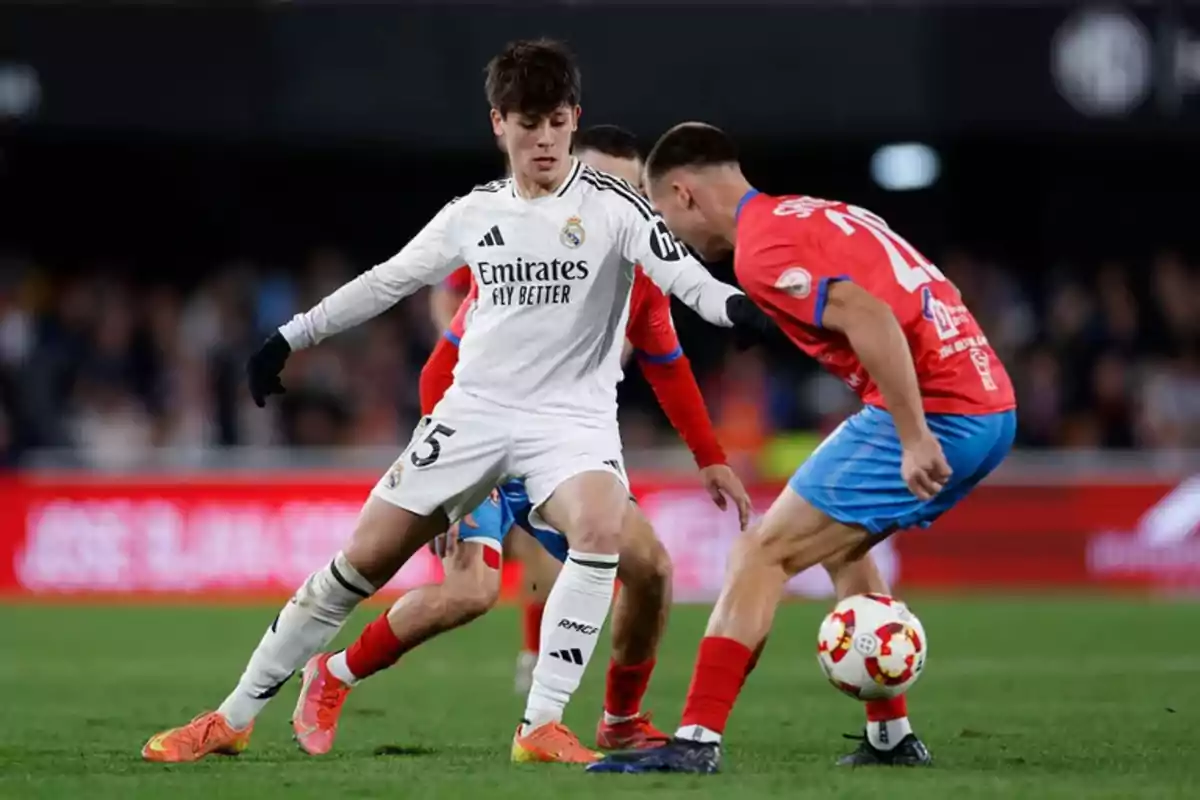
(551, 743)
(637, 733)
(315, 719)
(207, 734)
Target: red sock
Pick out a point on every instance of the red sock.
(887, 710)
(721, 668)
(533, 626)
(625, 687)
(376, 648)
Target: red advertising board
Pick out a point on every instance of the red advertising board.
(245, 534)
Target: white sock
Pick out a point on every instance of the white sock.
(339, 669)
(698, 733)
(613, 719)
(575, 612)
(306, 624)
(887, 734)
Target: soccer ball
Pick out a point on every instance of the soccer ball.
(872, 647)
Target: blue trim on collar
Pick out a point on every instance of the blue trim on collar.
(746, 198)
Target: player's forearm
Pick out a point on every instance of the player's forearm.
(708, 298)
(443, 305)
(363, 298)
(878, 340)
(678, 394)
(698, 290)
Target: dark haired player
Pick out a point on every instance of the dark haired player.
(613, 150)
(553, 250)
(471, 585)
(939, 416)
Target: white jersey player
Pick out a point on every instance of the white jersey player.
(540, 362)
(553, 250)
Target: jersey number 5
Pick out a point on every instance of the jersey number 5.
(912, 269)
(435, 446)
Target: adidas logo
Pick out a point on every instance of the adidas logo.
(491, 238)
(572, 656)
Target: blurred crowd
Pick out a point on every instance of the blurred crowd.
(107, 368)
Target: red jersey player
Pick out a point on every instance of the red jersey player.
(446, 297)
(939, 415)
(472, 582)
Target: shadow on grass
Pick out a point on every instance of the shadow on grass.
(404, 750)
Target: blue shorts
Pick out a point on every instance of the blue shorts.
(494, 518)
(854, 476)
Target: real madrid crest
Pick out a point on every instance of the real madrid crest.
(572, 234)
(392, 479)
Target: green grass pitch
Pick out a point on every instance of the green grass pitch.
(1022, 698)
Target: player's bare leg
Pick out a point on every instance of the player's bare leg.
(589, 509)
(639, 618)
(790, 538)
(385, 537)
(470, 588)
(539, 571)
(889, 735)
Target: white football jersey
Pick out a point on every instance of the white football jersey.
(554, 276)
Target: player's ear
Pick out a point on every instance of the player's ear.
(684, 195)
(576, 113)
(497, 123)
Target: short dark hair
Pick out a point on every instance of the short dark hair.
(532, 77)
(611, 140)
(690, 144)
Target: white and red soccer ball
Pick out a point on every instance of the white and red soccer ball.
(872, 647)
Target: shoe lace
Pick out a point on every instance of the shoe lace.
(328, 702)
(855, 737)
(569, 741)
(202, 728)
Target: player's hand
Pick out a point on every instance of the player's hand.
(722, 482)
(444, 544)
(924, 467)
(750, 325)
(263, 368)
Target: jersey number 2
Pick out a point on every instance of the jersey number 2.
(912, 269)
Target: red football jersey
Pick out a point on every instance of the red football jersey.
(459, 324)
(649, 329)
(789, 249)
(460, 280)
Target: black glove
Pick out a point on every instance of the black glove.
(750, 325)
(263, 368)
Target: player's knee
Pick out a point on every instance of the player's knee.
(596, 533)
(471, 590)
(476, 600)
(754, 547)
(647, 567)
(459, 602)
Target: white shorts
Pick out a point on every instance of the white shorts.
(468, 446)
